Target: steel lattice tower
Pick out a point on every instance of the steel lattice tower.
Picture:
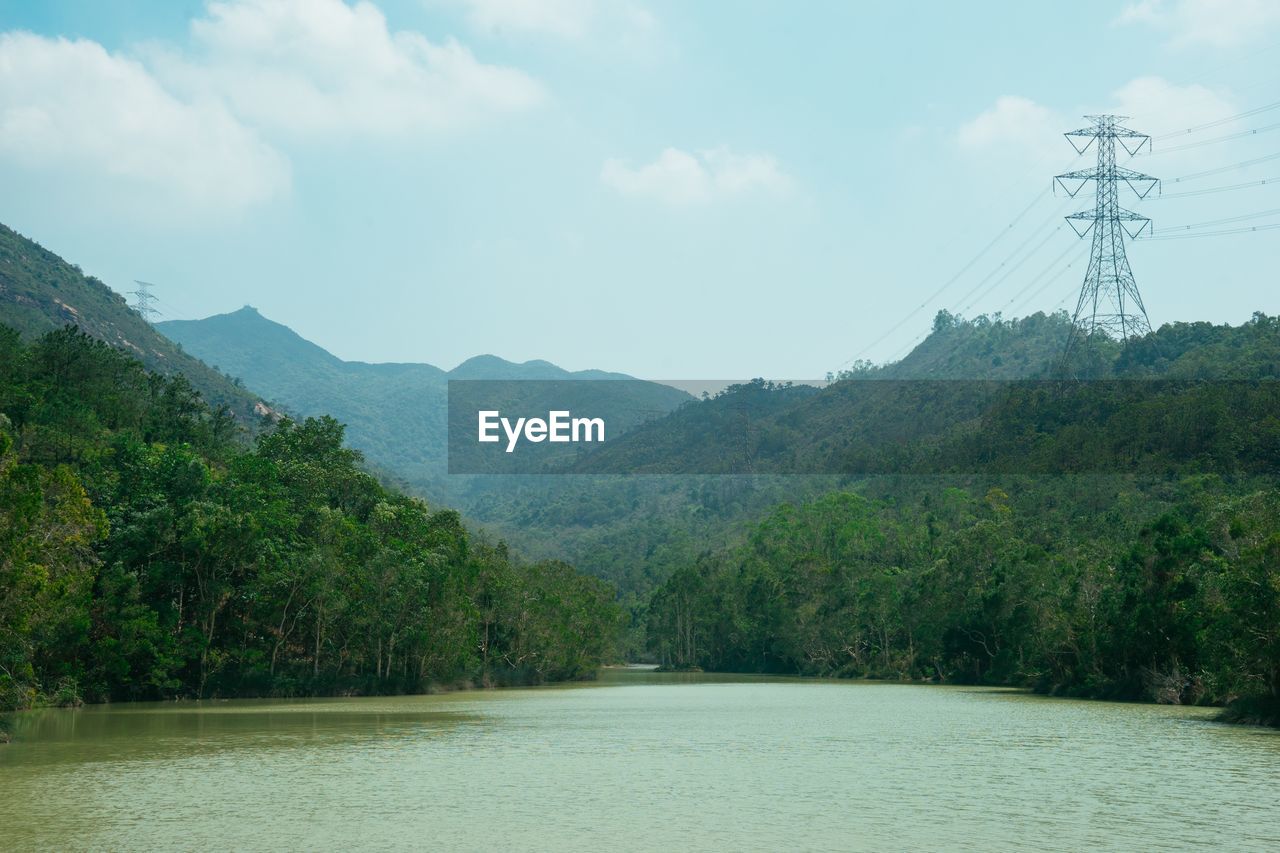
(143, 300)
(1109, 301)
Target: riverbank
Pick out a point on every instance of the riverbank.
(1249, 711)
(68, 699)
(1252, 712)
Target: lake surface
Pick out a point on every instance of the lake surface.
(642, 761)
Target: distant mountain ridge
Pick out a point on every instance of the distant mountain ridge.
(243, 338)
(395, 412)
(40, 292)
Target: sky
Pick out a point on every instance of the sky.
(668, 188)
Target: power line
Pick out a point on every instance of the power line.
(1040, 275)
(1246, 230)
(1253, 132)
(1002, 279)
(905, 351)
(947, 284)
(171, 310)
(963, 300)
(1229, 219)
(957, 344)
(1042, 288)
(1221, 169)
(1211, 190)
(1219, 122)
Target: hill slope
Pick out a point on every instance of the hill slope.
(146, 552)
(977, 393)
(40, 292)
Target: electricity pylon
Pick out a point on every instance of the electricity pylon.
(1109, 301)
(143, 299)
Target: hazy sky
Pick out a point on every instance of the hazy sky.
(671, 189)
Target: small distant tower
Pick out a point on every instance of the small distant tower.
(1109, 300)
(143, 301)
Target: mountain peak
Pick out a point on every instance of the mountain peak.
(489, 366)
(244, 338)
(479, 366)
(246, 314)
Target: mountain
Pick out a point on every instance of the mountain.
(39, 292)
(637, 530)
(395, 412)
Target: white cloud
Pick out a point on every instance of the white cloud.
(74, 113)
(1017, 127)
(1159, 107)
(1013, 124)
(170, 131)
(681, 178)
(1162, 109)
(325, 67)
(565, 19)
(1216, 23)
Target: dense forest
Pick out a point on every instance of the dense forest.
(637, 530)
(148, 549)
(1149, 575)
(1092, 586)
(151, 550)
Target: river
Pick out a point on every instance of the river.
(642, 761)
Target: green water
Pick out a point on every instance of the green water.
(640, 761)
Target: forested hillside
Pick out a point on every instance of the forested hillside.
(1152, 574)
(1153, 584)
(635, 530)
(40, 292)
(981, 348)
(1094, 586)
(146, 551)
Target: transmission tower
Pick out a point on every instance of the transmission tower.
(1109, 301)
(143, 300)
